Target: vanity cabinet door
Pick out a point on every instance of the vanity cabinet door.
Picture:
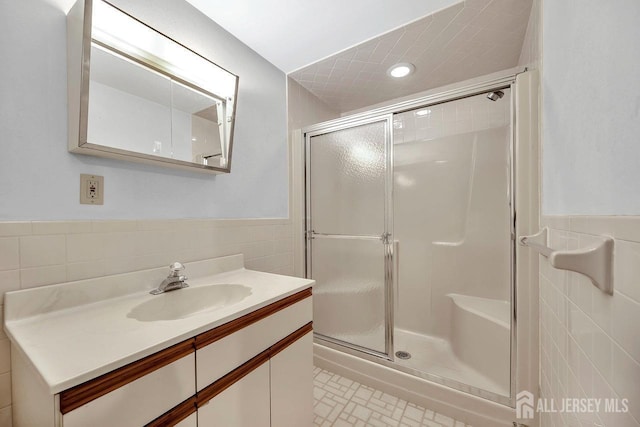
(292, 384)
(190, 421)
(244, 404)
(138, 402)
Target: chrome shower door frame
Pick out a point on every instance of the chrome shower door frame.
(504, 81)
(386, 237)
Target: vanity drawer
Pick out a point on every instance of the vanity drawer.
(136, 402)
(219, 351)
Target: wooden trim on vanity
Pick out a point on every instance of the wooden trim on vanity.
(84, 393)
(175, 415)
(290, 339)
(222, 331)
(212, 390)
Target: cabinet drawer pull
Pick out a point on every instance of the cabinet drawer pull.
(290, 339)
(211, 391)
(84, 393)
(222, 331)
(175, 415)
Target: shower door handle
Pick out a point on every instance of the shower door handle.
(396, 269)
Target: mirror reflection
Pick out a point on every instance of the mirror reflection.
(196, 128)
(129, 105)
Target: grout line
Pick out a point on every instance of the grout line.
(357, 403)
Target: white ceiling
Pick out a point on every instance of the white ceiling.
(292, 33)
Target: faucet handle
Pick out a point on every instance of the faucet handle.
(175, 268)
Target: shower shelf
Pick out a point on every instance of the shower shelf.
(594, 261)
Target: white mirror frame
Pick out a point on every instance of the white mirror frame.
(79, 38)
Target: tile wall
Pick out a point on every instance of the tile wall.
(304, 108)
(589, 341)
(470, 114)
(530, 53)
(466, 40)
(42, 253)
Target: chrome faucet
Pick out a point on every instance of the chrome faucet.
(173, 281)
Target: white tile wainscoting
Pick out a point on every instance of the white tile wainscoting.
(38, 253)
(590, 341)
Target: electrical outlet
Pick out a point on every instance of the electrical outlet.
(91, 189)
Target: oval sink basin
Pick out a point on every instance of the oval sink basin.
(187, 302)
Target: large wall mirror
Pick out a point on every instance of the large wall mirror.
(135, 93)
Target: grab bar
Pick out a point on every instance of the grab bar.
(594, 261)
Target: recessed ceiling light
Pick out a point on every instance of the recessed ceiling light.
(424, 112)
(400, 70)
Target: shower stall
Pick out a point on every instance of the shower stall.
(410, 225)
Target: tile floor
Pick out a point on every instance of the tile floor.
(341, 402)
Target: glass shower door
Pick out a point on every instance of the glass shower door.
(348, 228)
(453, 221)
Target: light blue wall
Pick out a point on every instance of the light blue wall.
(39, 178)
(591, 107)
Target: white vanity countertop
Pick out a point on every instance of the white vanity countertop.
(75, 336)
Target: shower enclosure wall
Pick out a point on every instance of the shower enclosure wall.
(452, 228)
(410, 225)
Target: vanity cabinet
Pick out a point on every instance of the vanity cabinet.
(253, 371)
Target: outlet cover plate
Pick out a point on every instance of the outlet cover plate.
(91, 189)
